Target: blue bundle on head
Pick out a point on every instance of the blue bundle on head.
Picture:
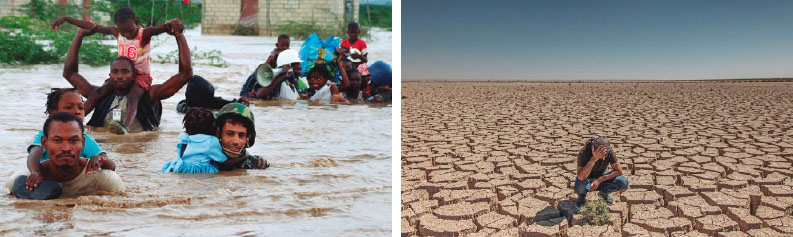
(315, 50)
(380, 73)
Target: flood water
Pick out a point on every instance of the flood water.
(330, 168)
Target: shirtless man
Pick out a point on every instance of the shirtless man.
(66, 173)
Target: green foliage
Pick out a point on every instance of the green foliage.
(23, 46)
(154, 13)
(16, 22)
(150, 13)
(378, 16)
(94, 53)
(211, 58)
(243, 30)
(29, 40)
(46, 11)
(595, 213)
(300, 31)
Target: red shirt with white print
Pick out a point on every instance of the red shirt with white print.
(132, 49)
(359, 44)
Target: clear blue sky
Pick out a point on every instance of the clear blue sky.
(580, 40)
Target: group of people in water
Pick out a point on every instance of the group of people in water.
(64, 160)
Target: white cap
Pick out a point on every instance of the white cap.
(288, 56)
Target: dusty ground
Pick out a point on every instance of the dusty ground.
(483, 159)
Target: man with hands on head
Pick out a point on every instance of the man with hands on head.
(591, 174)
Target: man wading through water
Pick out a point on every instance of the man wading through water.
(236, 132)
(66, 172)
(110, 111)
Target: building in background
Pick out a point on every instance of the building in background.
(18, 8)
(262, 17)
(12, 7)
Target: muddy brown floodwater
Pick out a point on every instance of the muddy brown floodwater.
(482, 159)
(330, 173)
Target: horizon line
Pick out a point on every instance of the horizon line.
(764, 79)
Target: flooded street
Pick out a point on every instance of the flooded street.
(330, 168)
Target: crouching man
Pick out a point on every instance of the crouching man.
(66, 173)
(593, 160)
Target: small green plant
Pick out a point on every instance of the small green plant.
(212, 58)
(297, 30)
(595, 213)
(239, 29)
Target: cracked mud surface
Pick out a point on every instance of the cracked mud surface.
(498, 159)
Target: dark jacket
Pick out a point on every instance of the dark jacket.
(149, 112)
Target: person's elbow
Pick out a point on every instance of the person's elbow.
(67, 74)
(581, 176)
(108, 164)
(187, 73)
(345, 84)
(618, 172)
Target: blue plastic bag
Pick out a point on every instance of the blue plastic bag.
(315, 50)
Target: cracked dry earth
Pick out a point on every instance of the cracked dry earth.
(497, 159)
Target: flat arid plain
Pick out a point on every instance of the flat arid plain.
(703, 158)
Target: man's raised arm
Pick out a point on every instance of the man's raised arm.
(70, 71)
(176, 82)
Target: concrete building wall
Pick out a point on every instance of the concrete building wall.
(12, 7)
(15, 8)
(221, 16)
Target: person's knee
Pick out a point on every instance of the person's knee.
(20, 183)
(622, 182)
(22, 179)
(581, 186)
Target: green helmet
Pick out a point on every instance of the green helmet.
(240, 111)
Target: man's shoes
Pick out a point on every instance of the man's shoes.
(606, 197)
(579, 204)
